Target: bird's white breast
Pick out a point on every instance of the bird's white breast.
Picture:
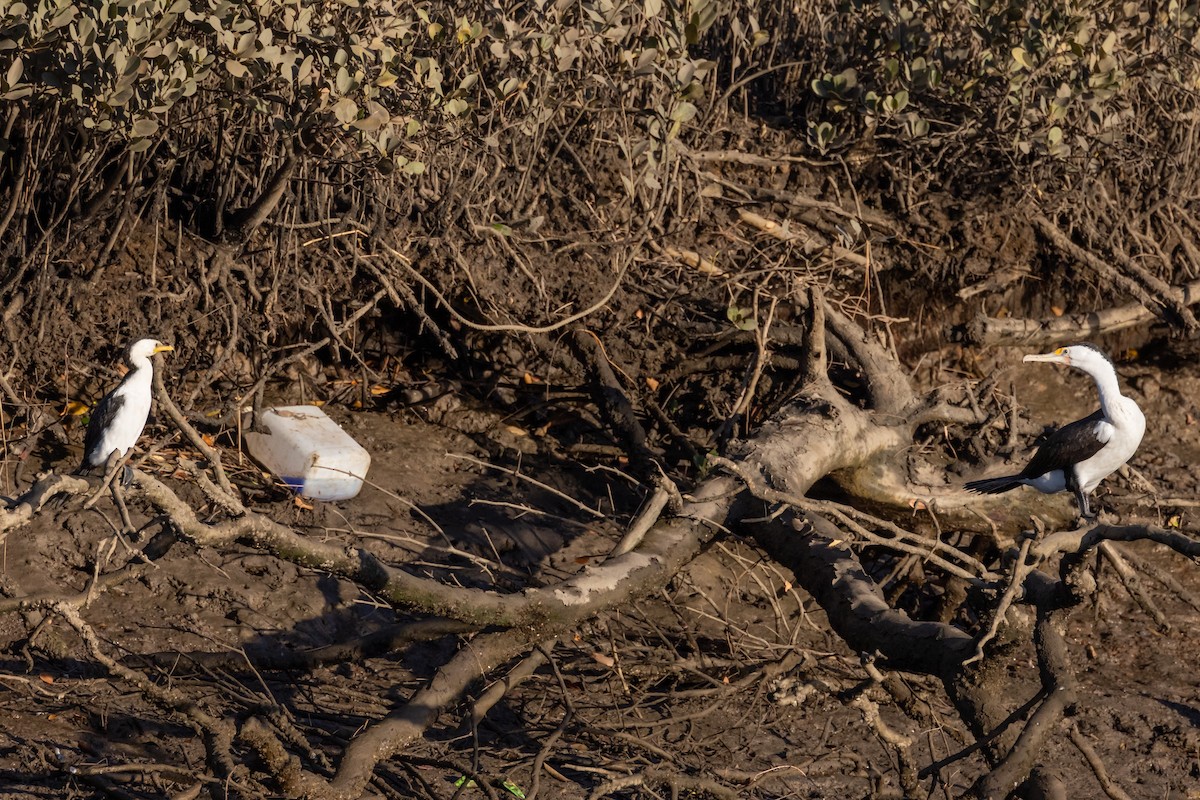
(1121, 434)
(126, 427)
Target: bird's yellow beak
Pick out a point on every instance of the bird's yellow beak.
(163, 348)
(1059, 356)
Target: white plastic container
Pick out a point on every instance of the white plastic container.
(309, 452)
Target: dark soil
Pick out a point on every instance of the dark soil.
(729, 673)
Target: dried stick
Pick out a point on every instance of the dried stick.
(615, 406)
(900, 744)
(539, 484)
(371, 645)
(218, 733)
(645, 519)
(1163, 577)
(750, 387)
(1094, 761)
(539, 761)
(1020, 571)
(801, 236)
(678, 784)
(518, 674)
(1129, 578)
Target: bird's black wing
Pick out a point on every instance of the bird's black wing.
(102, 416)
(1068, 445)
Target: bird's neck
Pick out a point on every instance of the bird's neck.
(1110, 393)
(140, 371)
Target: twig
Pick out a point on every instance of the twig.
(750, 387)
(1020, 570)
(900, 744)
(522, 671)
(1129, 578)
(1094, 761)
(645, 519)
(521, 476)
(629, 249)
(614, 404)
(677, 783)
(539, 761)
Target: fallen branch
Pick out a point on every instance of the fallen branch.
(47, 486)
(616, 409)
(1150, 291)
(668, 546)
(984, 330)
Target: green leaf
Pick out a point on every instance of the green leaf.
(742, 318)
(145, 127)
(684, 112)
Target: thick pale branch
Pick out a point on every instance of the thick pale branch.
(887, 385)
(666, 548)
(43, 490)
(1069, 327)
(1084, 539)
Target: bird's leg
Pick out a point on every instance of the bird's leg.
(112, 465)
(1085, 507)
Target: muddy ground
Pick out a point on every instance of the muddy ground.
(729, 674)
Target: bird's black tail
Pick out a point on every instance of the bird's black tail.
(994, 485)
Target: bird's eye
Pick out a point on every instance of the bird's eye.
(1059, 351)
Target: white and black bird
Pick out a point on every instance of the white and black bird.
(1078, 456)
(118, 419)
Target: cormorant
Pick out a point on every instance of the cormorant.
(1078, 456)
(118, 419)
